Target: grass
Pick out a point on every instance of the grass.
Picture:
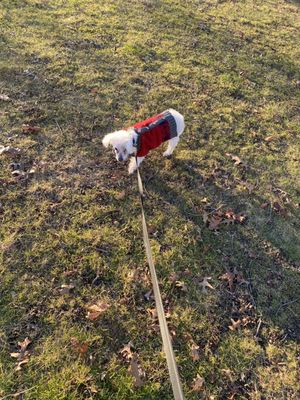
(79, 69)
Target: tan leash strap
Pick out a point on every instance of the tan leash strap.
(167, 344)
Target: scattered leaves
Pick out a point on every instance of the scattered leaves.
(216, 218)
(235, 325)
(134, 369)
(233, 278)
(96, 310)
(229, 277)
(23, 355)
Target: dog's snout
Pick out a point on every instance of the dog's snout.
(120, 157)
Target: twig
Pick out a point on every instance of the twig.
(17, 393)
(258, 327)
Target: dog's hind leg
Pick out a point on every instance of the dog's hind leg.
(171, 146)
(132, 165)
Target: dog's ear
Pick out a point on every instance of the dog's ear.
(106, 140)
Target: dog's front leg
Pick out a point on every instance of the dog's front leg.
(132, 165)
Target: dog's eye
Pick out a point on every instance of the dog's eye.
(116, 150)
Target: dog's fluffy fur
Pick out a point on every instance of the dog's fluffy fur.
(122, 142)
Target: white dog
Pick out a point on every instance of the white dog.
(144, 136)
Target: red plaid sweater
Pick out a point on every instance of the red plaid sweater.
(152, 132)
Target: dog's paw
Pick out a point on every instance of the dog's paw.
(167, 154)
(131, 170)
(132, 167)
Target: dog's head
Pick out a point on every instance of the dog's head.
(121, 141)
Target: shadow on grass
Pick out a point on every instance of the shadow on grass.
(274, 279)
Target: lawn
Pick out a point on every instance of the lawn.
(77, 317)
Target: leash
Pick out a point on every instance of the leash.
(167, 344)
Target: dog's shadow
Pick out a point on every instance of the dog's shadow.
(268, 271)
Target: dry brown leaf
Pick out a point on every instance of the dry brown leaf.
(214, 223)
(198, 384)
(127, 352)
(79, 347)
(65, 289)
(205, 284)
(23, 355)
(236, 159)
(135, 371)
(121, 195)
(152, 312)
(269, 139)
(181, 285)
(96, 310)
(195, 352)
(26, 128)
(264, 205)
(229, 277)
(278, 208)
(235, 325)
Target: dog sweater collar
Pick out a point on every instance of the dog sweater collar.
(154, 131)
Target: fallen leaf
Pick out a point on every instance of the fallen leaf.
(26, 128)
(195, 352)
(198, 384)
(79, 347)
(152, 312)
(235, 325)
(228, 373)
(269, 139)
(278, 208)
(236, 159)
(23, 355)
(96, 310)
(264, 205)
(229, 277)
(127, 352)
(181, 285)
(239, 278)
(65, 289)
(205, 284)
(214, 223)
(135, 371)
(121, 195)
